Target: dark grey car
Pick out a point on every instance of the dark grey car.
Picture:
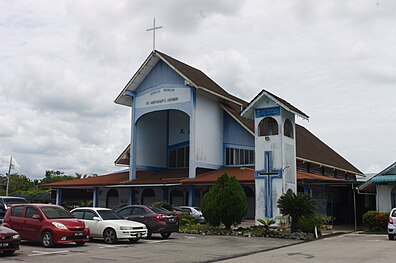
(157, 220)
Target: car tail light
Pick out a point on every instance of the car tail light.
(390, 220)
(160, 217)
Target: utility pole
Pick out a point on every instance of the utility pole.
(8, 176)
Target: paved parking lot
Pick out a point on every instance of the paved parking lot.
(351, 248)
(178, 248)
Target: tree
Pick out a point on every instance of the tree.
(296, 206)
(52, 176)
(225, 202)
(19, 182)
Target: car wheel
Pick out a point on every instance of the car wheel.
(149, 234)
(47, 240)
(80, 244)
(9, 252)
(134, 240)
(166, 235)
(109, 236)
(391, 236)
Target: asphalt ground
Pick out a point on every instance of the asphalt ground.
(178, 248)
(351, 248)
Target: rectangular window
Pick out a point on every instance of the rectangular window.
(179, 157)
(17, 211)
(172, 158)
(236, 156)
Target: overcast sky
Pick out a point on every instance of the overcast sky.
(62, 64)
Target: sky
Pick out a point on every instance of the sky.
(62, 64)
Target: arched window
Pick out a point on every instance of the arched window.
(148, 196)
(268, 126)
(288, 128)
(112, 198)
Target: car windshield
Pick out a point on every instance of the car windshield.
(197, 208)
(53, 212)
(108, 215)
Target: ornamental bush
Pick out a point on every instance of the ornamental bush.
(375, 221)
(225, 202)
(296, 206)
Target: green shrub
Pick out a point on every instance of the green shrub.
(266, 223)
(225, 202)
(186, 220)
(307, 224)
(296, 206)
(375, 221)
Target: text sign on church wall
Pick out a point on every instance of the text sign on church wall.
(271, 111)
(163, 96)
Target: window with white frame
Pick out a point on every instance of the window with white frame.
(235, 156)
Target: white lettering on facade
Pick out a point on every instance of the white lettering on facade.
(162, 97)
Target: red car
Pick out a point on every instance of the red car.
(49, 224)
(9, 240)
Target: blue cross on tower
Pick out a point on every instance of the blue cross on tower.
(268, 174)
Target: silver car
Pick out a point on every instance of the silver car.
(194, 211)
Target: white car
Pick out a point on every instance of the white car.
(106, 224)
(392, 224)
(194, 211)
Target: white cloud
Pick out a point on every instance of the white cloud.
(64, 62)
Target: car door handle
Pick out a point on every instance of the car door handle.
(141, 216)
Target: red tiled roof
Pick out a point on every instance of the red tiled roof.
(108, 179)
(243, 176)
(177, 176)
(303, 175)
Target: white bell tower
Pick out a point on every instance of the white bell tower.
(275, 150)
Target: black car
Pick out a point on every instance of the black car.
(157, 220)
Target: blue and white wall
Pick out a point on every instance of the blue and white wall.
(275, 154)
(161, 108)
(208, 133)
(235, 136)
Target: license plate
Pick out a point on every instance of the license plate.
(171, 220)
(78, 234)
(3, 244)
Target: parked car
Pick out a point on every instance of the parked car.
(392, 224)
(7, 201)
(194, 211)
(49, 224)
(157, 220)
(9, 240)
(173, 211)
(107, 224)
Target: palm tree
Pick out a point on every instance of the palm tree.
(296, 206)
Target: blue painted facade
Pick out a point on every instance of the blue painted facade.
(235, 134)
(160, 74)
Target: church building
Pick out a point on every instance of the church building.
(186, 131)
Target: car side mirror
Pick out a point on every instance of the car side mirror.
(74, 215)
(95, 218)
(36, 216)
